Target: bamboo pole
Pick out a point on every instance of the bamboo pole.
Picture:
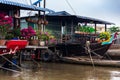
(11, 62)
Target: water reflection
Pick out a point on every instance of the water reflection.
(57, 71)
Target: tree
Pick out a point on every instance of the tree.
(114, 29)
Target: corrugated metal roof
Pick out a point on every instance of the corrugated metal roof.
(44, 9)
(61, 13)
(65, 15)
(94, 20)
(24, 6)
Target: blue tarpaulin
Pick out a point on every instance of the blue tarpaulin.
(35, 3)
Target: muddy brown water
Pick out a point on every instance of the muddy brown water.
(62, 71)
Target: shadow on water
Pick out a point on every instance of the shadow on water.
(58, 71)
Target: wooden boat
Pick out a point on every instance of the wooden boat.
(79, 47)
(88, 61)
(114, 54)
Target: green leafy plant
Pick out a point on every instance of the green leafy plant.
(43, 36)
(9, 36)
(16, 32)
(13, 34)
(87, 29)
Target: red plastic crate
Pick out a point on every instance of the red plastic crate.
(18, 44)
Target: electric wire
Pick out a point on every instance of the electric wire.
(70, 6)
(30, 2)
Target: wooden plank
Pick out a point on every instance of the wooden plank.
(30, 47)
(38, 47)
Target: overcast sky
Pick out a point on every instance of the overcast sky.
(108, 10)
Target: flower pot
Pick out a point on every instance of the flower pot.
(42, 43)
(2, 42)
(33, 42)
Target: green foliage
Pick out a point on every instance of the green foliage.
(13, 34)
(114, 29)
(9, 36)
(43, 35)
(87, 29)
(16, 32)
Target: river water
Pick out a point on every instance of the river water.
(62, 71)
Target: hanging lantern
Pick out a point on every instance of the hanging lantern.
(39, 22)
(34, 21)
(45, 22)
(42, 21)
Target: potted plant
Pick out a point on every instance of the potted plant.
(5, 25)
(29, 34)
(16, 32)
(52, 40)
(85, 29)
(43, 37)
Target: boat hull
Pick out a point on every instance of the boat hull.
(75, 49)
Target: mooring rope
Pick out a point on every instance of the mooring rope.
(93, 52)
(89, 52)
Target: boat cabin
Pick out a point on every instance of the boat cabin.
(63, 24)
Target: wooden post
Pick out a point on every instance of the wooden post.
(95, 27)
(16, 20)
(44, 19)
(61, 31)
(20, 58)
(39, 13)
(105, 27)
(71, 27)
(85, 24)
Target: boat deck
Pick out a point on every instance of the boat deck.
(44, 47)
